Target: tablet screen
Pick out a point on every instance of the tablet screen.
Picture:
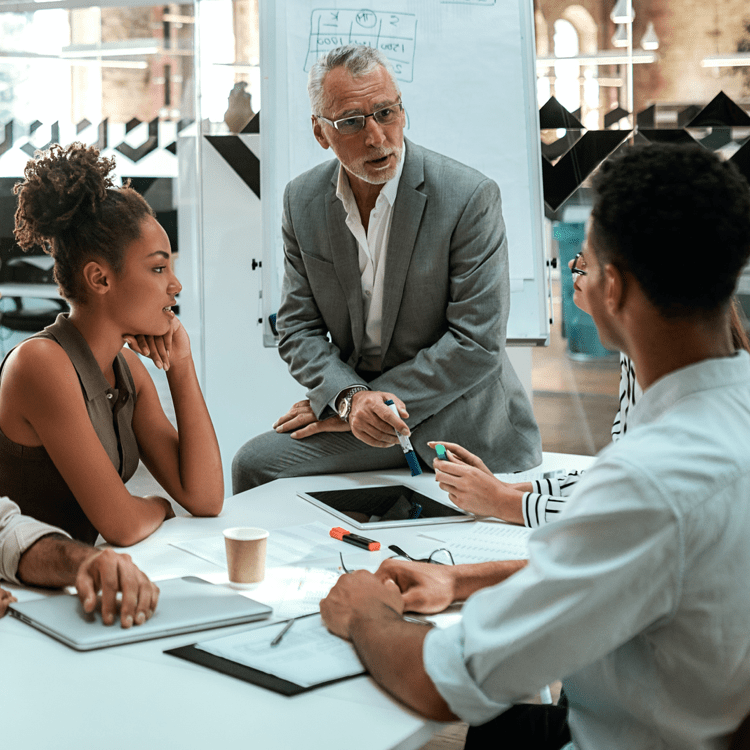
(392, 503)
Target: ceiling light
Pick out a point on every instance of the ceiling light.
(620, 39)
(623, 12)
(737, 60)
(649, 40)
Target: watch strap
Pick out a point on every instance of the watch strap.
(346, 400)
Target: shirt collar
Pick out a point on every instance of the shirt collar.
(89, 373)
(389, 191)
(719, 372)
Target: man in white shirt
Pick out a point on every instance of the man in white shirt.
(395, 287)
(36, 554)
(638, 596)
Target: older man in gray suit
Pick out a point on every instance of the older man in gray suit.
(395, 287)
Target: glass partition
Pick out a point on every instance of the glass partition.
(625, 71)
(136, 79)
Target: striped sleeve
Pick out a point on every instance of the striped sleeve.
(630, 392)
(547, 498)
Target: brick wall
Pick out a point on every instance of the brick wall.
(688, 30)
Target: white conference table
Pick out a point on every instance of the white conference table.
(135, 696)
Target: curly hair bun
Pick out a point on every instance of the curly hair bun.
(62, 187)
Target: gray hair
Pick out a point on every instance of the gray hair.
(356, 59)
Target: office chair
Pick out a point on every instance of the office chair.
(17, 268)
(741, 738)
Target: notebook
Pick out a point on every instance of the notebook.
(185, 605)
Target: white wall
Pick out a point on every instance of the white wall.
(246, 385)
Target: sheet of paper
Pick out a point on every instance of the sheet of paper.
(482, 542)
(291, 591)
(290, 546)
(307, 655)
(530, 475)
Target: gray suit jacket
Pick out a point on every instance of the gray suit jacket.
(445, 307)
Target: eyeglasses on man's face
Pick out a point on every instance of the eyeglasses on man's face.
(579, 266)
(351, 125)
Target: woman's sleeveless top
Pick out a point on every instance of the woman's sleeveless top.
(27, 474)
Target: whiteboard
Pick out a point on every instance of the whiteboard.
(466, 69)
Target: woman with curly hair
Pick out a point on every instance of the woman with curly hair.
(77, 411)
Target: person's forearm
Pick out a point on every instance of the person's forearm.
(316, 365)
(391, 649)
(201, 474)
(523, 487)
(507, 503)
(136, 520)
(471, 578)
(53, 561)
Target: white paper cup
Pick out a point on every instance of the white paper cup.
(246, 554)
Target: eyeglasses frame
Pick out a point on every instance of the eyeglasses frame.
(335, 123)
(400, 553)
(574, 270)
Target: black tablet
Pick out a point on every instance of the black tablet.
(384, 506)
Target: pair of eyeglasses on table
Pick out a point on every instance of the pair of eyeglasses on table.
(441, 556)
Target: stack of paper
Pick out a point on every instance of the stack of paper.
(482, 542)
(307, 655)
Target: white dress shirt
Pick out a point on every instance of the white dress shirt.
(17, 534)
(373, 247)
(548, 496)
(639, 594)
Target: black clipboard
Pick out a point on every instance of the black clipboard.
(248, 674)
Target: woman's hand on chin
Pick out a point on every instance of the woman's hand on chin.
(164, 350)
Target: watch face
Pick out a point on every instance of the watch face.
(344, 408)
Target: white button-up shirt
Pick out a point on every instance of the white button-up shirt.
(638, 596)
(373, 246)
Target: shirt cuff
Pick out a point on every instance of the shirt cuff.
(532, 510)
(560, 486)
(19, 533)
(538, 510)
(442, 655)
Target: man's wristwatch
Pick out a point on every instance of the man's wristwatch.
(345, 405)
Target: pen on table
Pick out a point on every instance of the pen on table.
(358, 541)
(284, 631)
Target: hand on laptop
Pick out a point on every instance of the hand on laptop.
(57, 561)
(6, 598)
(110, 573)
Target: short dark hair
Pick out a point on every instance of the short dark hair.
(678, 218)
(69, 205)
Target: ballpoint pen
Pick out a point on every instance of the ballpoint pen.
(284, 631)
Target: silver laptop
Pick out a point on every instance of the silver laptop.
(185, 605)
